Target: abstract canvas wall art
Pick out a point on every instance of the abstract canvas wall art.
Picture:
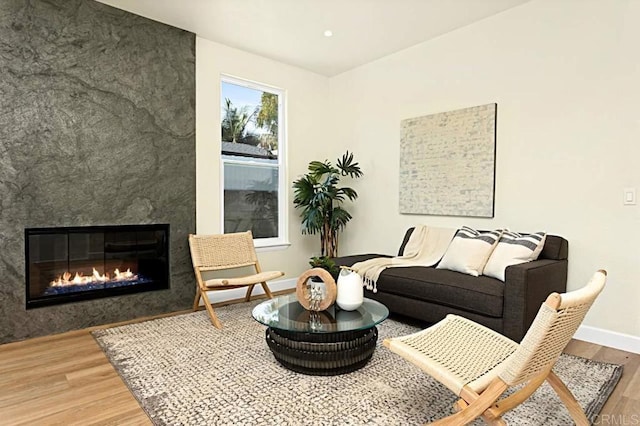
(447, 163)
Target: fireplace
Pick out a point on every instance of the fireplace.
(80, 263)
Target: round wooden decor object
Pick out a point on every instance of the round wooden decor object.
(330, 290)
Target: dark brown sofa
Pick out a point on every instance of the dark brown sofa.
(429, 294)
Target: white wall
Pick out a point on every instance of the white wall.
(307, 102)
(566, 78)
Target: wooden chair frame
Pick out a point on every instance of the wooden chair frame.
(529, 362)
(225, 252)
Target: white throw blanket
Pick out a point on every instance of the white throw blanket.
(425, 247)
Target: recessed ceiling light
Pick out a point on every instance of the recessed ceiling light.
(328, 33)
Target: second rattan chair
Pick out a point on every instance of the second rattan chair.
(222, 252)
(478, 364)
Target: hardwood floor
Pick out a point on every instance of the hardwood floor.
(67, 380)
(64, 379)
(623, 406)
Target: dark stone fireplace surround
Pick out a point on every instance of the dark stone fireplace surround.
(97, 127)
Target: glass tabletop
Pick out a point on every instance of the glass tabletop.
(286, 313)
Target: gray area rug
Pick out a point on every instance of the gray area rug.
(183, 371)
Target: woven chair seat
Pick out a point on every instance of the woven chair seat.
(242, 281)
(457, 352)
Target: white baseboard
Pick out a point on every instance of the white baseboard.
(612, 339)
(238, 293)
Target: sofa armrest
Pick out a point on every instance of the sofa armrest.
(526, 286)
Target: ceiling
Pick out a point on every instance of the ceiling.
(291, 31)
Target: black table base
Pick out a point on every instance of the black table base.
(322, 354)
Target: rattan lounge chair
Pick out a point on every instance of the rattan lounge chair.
(223, 252)
(478, 364)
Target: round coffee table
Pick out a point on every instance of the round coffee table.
(323, 343)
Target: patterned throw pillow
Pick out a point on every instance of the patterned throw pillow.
(513, 249)
(469, 251)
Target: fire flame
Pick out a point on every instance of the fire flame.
(80, 279)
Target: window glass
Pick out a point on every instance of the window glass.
(251, 151)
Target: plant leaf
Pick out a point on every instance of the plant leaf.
(318, 168)
(339, 218)
(348, 167)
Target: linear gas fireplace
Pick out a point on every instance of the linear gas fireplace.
(80, 263)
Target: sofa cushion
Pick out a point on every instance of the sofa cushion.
(555, 248)
(405, 241)
(482, 295)
(513, 249)
(469, 251)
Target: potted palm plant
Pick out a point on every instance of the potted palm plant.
(320, 198)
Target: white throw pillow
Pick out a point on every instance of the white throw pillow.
(513, 249)
(469, 251)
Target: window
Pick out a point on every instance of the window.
(252, 153)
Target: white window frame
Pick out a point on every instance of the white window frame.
(282, 240)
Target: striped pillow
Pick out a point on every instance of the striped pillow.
(469, 250)
(513, 249)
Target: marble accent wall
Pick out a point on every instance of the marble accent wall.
(97, 127)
